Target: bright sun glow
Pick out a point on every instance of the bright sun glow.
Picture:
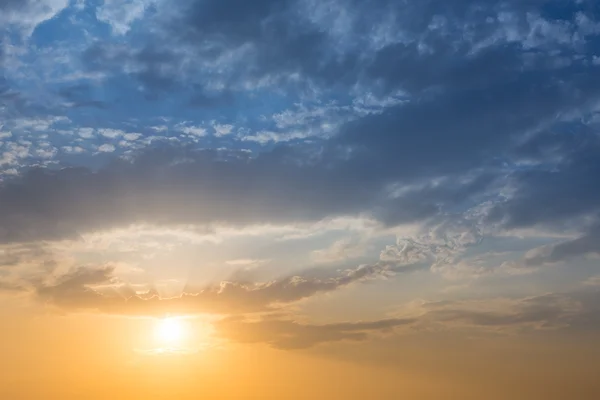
(170, 331)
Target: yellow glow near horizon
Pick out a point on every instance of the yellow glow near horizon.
(170, 331)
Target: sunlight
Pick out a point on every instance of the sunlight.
(170, 331)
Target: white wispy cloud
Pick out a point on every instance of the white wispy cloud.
(121, 15)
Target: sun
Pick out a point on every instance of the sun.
(170, 331)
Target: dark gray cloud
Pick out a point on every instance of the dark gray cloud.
(175, 186)
(460, 46)
(553, 196)
(203, 98)
(279, 38)
(270, 34)
(80, 95)
(457, 131)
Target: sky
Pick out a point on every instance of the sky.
(327, 199)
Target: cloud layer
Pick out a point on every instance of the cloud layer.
(462, 136)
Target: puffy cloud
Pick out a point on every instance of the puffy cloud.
(106, 148)
(73, 150)
(111, 133)
(86, 133)
(37, 124)
(222, 130)
(194, 130)
(132, 136)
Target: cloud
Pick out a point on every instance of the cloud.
(98, 289)
(162, 187)
(12, 256)
(120, 16)
(292, 335)
(73, 150)
(10, 287)
(548, 312)
(265, 136)
(75, 286)
(222, 130)
(341, 250)
(450, 141)
(575, 310)
(27, 14)
(554, 196)
(269, 42)
(592, 281)
(584, 245)
(106, 148)
(111, 133)
(245, 262)
(589, 243)
(544, 311)
(277, 186)
(132, 136)
(442, 123)
(194, 130)
(441, 242)
(81, 96)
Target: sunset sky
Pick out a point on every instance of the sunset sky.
(300, 199)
